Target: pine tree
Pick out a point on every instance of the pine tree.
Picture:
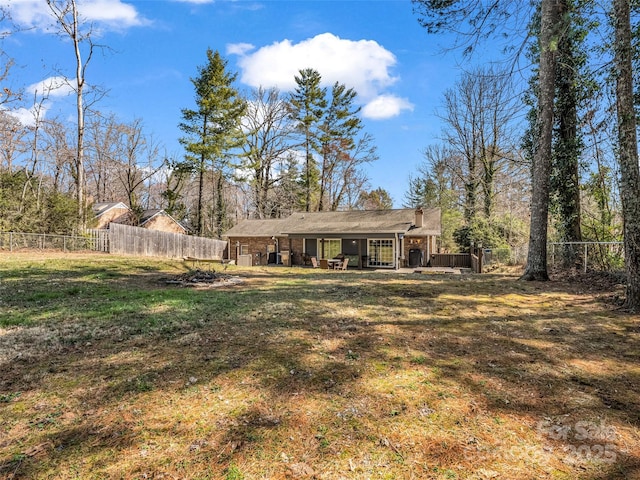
(338, 138)
(308, 105)
(212, 131)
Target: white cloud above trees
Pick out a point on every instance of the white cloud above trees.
(360, 64)
(386, 106)
(42, 93)
(110, 13)
(52, 87)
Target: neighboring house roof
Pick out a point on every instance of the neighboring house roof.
(103, 207)
(150, 214)
(352, 222)
(128, 218)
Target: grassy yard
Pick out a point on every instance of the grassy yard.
(107, 371)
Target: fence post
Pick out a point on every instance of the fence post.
(585, 258)
(11, 241)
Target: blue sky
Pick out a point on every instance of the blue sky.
(155, 46)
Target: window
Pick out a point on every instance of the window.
(332, 247)
(381, 253)
(244, 249)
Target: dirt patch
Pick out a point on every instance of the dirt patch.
(203, 278)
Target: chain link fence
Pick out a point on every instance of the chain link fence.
(505, 255)
(592, 256)
(589, 256)
(96, 241)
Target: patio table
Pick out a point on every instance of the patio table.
(333, 262)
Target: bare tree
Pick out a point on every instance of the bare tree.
(7, 94)
(478, 114)
(68, 19)
(137, 155)
(346, 170)
(352, 194)
(269, 140)
(101, 155)
(58, 152)
(13, 141)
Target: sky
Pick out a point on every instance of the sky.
(154, 48)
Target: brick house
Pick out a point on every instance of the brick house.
(370, 238)
(152, 219)
(107, 212)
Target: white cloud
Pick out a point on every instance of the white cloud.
(386, 106)
(363, 65)
(239, 48)
(48, 89)
(52, 87)
(113, 13)
(26, 116)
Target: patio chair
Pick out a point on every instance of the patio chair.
(324, 264)
(344, 264)
(314, 262)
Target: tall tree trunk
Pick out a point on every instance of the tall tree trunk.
(71, 26)
(307, 180)
(221, 207)
(80, 181)
(567, 148)
(199, 224)
(628, 151)
(536, 268)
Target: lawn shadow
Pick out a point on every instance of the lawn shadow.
(349, 342)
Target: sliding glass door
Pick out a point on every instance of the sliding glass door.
(332, 247)
(381, 252)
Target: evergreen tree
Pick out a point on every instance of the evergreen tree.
(377, 199)
(34, 206)
(338, 138)
(213, 132)
(307, 104)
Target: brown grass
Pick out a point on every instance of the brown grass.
(296, 373)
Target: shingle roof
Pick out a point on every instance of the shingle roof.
(352, 222)
(103, 207)
(150, 213)
(258, 228)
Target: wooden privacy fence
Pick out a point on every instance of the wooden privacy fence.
(126, 240)
(453, 260)
(472, 260)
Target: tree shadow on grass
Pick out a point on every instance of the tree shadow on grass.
(354, 347)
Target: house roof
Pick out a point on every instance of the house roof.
(148, 215)
(101, 208)
(128, 218)
(352, 222)
(258, 228)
